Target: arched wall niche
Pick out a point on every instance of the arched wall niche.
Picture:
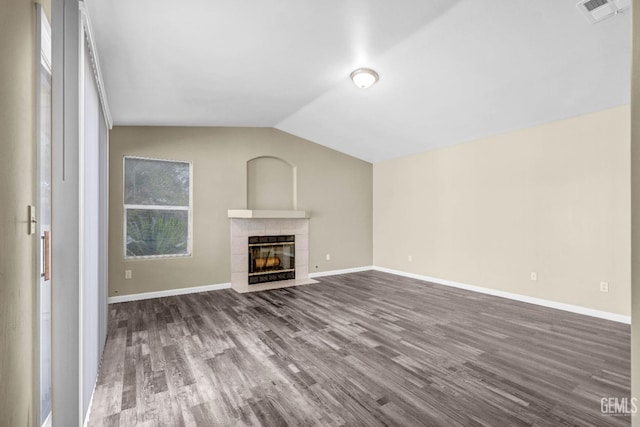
(271, 184)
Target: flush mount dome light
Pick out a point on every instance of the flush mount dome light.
(364, 77)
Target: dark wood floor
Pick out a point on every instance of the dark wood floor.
(362, 349)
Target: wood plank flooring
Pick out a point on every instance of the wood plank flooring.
(363, 349)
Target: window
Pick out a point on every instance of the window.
(157, 206)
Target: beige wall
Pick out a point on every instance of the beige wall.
(635, 209)
(333, 187)
(17, 170)
(552, 199)
(271, 184)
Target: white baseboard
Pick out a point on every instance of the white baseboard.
(343, 271)
(93, 392)
(167, 293)
(47, 422)
(517, 297)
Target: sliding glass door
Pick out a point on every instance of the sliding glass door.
(43, 216)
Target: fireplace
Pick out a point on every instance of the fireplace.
(271, 258)
(286, 230)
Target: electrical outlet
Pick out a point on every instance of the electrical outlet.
(328, 257)
(410, 258)
(534, 276)
(604, 286)
(127, 274)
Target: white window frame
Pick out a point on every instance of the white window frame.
(158, 207)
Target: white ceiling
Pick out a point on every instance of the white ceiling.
(450, 71)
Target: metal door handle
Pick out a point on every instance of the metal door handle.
(46, 256)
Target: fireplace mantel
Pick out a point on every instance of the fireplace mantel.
(266, 214)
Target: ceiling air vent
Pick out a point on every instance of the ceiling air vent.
(598, 10)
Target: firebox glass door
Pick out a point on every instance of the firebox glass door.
(271, 258)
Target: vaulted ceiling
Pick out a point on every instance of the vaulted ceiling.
(450, 70)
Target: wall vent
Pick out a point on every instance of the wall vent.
(599, 10)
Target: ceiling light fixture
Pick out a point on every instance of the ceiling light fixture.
(364, 77)
(598, 10)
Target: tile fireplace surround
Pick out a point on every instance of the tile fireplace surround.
(243, 227)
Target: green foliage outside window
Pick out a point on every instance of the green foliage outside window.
(156, 233)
